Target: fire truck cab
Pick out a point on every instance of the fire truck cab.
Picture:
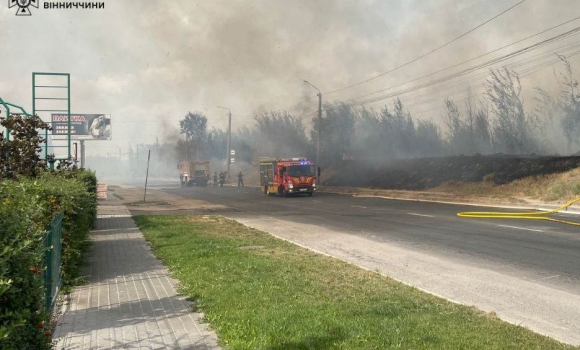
(287, 176)
(195, 173)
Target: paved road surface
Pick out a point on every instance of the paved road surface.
(526, 271)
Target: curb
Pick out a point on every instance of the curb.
(535, 207)
(565, 211)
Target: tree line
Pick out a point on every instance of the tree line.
(494, 123)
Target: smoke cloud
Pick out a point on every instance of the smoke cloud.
(148, 63)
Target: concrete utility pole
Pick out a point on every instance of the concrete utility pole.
(319, 127)
(229, 142)
(82, 142)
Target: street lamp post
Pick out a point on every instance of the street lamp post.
(229, 141)
(319, 127)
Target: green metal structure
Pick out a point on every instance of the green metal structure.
(7, 106)
(52, 261)
(36, 98)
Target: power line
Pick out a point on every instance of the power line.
(469, 60)
(428, 53)
(458, 64)
(480, 66)
(475, 68)
(514, 65)
(523, 73)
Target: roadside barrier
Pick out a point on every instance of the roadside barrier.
(53, 261)
(531, 215)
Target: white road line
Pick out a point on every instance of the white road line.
(427, 216)
(521, 228)
(549, 277)
(358, 206)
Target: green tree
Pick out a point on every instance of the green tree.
(429, 140)
(282, 135)
(194, 126)
(337, 133)
(245, 142)
(21, 155)
(398, 131)
(368, 142)
(569, 104)
(481, 131)
(217, 143)
(511, 130)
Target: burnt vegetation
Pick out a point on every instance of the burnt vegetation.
(476, 136)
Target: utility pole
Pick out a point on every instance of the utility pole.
(157, 163)
(83, 160)
(319, 128)
(146, 176)
(229, 142)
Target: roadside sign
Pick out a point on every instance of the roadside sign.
(233, 152)
(82, 126)
(102, 191)
(232, 159)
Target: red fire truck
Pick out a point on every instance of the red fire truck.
(287, 176)
(194, 173)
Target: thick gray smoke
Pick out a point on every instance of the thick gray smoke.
(148, 63)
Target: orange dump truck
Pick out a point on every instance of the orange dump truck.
(287, 176)
(194, 173)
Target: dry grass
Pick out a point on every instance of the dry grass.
(548, 188)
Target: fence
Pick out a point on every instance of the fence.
(52, 261)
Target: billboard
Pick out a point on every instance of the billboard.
(83, 126)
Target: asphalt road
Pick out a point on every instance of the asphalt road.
(530, 248)
(526, 271)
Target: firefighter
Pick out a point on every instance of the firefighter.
(222, 179)
(240, 179)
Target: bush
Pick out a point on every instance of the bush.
(27, 206)
(77, 199)
(22, 221)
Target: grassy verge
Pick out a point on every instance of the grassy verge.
(551, 188)
(259, 292)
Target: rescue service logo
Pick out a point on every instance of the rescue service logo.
(23, 6)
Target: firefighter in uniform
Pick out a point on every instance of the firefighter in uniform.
(240, 179)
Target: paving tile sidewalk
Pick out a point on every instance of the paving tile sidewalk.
(130, 301)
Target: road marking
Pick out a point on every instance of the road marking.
(521, 228)
(358, 206)
(549, 277)
(427, 216)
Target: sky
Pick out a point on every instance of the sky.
(147, 63)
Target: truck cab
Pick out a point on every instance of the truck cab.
(194, 173)
(288, 176)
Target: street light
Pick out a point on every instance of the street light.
(229, 141)
(319, 127)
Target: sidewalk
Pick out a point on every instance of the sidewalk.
(130, 301)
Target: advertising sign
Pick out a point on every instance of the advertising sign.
(83, 126)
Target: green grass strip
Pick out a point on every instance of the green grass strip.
(259, 292)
